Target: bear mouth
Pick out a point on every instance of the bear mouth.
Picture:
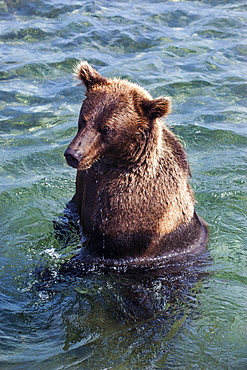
(86, 163)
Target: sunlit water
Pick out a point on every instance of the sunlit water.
(192, 51)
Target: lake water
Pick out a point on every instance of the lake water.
(194, 52)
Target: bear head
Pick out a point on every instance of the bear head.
(115, 121)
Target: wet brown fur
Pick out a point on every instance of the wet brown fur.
(132, 190)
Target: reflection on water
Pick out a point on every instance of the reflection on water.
(120, 314)
(193, 51)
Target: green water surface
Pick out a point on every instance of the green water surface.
(192, 51)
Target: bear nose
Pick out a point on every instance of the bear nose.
(73, 157)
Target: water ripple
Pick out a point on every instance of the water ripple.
(193, 51)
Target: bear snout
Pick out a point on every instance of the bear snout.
(73, 157)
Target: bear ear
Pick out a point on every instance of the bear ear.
(157, 108)
(88, 75)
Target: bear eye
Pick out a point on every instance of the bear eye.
(105, 130)
(105, 133)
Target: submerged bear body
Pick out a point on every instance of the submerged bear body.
(132, 190)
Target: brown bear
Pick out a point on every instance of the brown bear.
(132, 190)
